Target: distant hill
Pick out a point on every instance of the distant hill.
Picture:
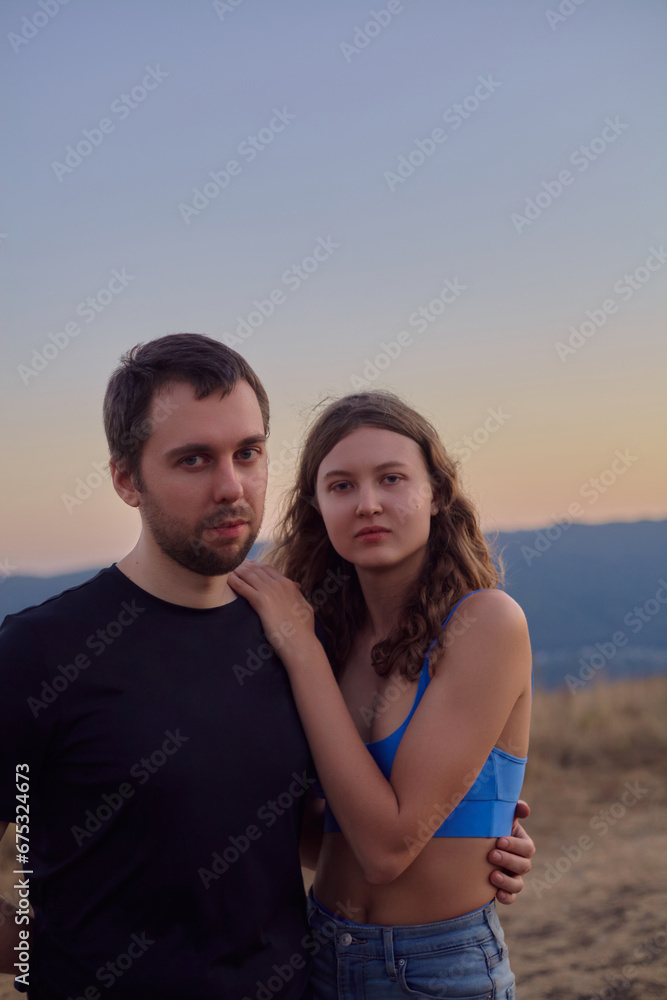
(580, 585)
(583, 584)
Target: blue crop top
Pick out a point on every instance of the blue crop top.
(487, 810)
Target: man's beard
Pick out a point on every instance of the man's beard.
(188, 549)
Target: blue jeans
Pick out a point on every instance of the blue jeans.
(465, 957)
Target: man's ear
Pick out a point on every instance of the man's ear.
(123, 485)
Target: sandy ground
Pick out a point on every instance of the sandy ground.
(595, 927)
(591, 922)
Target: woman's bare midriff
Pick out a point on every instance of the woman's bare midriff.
(448, 878)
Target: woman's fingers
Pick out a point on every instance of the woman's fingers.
(505, 897)
(515, 856)
(249, 576)
(236, 582)
(520, 840)
(508, 885)
(513, 859)
(273, 573)
(260, 574)
(245, 569)
(522, 810)
(275, 598)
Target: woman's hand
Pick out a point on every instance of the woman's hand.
(287, 617)
(512, 861)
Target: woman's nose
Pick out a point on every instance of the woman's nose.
(369, 503)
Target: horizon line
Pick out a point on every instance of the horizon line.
(48, 574)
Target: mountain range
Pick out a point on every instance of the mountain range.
(595, 597)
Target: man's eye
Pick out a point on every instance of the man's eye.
(248, 453)
(190, 458)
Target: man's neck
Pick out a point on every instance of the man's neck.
(162, 577)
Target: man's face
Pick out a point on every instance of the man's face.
(204, 473)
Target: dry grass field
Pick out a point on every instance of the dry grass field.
(591, 923)
(592, 920)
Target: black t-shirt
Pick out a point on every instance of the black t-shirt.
(167, 772)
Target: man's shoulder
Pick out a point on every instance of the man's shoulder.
(65, 605)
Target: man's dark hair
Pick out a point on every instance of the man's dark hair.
(204, 363)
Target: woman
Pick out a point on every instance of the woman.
(419, 733)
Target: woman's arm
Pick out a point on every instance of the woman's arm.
(460, 718)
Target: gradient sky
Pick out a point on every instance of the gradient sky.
(219, 74)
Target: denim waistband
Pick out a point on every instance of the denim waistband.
(362, 939)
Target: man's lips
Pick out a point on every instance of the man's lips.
(229, 529)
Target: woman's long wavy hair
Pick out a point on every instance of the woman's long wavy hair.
(457, 561)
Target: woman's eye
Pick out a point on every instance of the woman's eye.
(336, 488)
(394, 477)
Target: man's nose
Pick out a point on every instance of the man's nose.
(226, 484)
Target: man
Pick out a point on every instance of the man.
(152, 727)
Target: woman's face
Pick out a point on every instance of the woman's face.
(376, 500)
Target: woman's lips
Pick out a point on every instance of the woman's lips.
(372, 534)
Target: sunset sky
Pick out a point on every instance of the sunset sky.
(497, 165)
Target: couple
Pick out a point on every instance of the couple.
(169, 752)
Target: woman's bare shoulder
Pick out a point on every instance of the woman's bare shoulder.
(488, 620)
(494, 607)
